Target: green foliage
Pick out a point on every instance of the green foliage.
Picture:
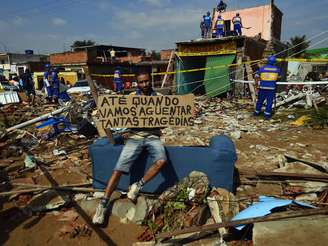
(298, 45)
(155, 55)
(81, 43)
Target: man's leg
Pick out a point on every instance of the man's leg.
(157, 153)
(259, 103)
(129, 154)
(269, 101)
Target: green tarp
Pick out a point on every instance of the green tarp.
(189, 81)
(217, 80)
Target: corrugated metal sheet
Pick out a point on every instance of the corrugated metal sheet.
(7, 97)
(217, 80)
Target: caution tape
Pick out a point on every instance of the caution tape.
(183, 71)
(112, 75)
(285, 83)
(302, 60)
(209, 53)
(215, 67)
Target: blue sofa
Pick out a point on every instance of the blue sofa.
(217, 161)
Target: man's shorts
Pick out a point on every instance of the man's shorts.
(133, 148)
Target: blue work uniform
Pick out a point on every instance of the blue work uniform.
(220, 28)
(118, 81)
(268, 75)
(47, 84)
(55, 84)
(208, 24)
(237, 25)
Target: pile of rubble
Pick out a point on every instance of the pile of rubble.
(45, 169)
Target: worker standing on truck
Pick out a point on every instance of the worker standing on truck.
(208, 25)
(219, 27)
(237, 25)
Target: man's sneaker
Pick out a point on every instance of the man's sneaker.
(99, 217)
(134, 191)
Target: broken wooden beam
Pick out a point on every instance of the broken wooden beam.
(272, 217)
(312, 177)
(320, 166)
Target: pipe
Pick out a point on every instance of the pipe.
(42, 117)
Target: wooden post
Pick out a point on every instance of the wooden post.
(168, 68)
(102, 132)
(250, 77)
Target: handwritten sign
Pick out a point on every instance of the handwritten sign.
(133, 111)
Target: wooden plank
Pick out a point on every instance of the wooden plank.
(169, 66)
(249, 72)
(314, 177)
(320, 166)
(272, 217)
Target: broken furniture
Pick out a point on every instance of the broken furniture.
(217, 161)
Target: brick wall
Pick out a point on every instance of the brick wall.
(69, 57)
(165, 54)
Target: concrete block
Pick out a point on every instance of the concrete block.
(302, 231)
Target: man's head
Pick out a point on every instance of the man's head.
(237, 14)
(208, 13)
(219, 17)
(272, 60)
(143, 80)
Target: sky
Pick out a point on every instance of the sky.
(48, 26)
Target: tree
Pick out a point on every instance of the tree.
(298, 46)
(81, 43)
(155, 55)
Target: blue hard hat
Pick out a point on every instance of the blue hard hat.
(272, 60)
(47, 65)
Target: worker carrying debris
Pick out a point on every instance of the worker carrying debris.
(47, 84)
(118, 82)
(266, 77)
(208, 25)
(222, 7)
(219, 27)
(237, 25)
(137, 140)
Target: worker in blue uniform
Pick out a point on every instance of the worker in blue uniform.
(237, 25)
(222, 6)
(202, 26)
(47, 84)
(118, 82)
(208, 25)
(266, 78)
(55, 84)
(219, 27)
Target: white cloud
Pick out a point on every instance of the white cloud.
(168, 18)
(58, 21)
(18, 21)
(156, 3)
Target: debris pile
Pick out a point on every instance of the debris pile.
(45, 171)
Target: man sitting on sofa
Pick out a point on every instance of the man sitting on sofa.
(138, 139)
